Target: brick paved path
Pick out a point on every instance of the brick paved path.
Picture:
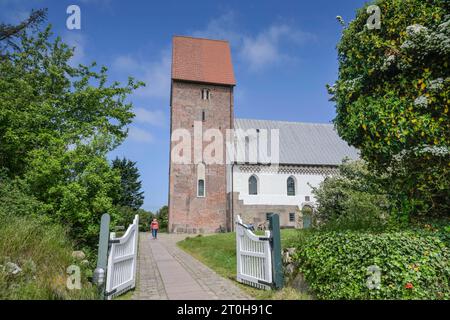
(167, 272)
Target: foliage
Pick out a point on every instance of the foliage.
(57, 124)
(43, 252)
(351, 200)
(392, 100)
(129, 194)
(163, 217)
(335, 264)
(15, 201)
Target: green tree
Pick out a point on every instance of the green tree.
(129, 194)
(57, 124)
(392, 99)
(163, 217)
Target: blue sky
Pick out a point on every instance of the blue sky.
(284, 52)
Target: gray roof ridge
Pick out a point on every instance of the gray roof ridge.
(289, 122)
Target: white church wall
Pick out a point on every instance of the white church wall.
(272, 187)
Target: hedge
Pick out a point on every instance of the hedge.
(413, 265)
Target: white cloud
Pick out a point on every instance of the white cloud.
(266, 48)
(260, 51)
(157, 77)
(140, 135)
(78, 41)
(155, 118)
(224, 27)
(126, 63)
(155, 74)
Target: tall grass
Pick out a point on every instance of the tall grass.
(43, 252)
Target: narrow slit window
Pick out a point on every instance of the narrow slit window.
(203, 116)
(201, 188)
(201, 170)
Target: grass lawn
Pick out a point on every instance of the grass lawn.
(219, 253)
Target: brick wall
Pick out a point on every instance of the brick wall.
(187, 212)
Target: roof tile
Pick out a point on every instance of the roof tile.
(202, 60)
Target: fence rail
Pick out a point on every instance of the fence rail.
(254, 257)
(122, 261)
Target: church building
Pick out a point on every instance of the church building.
(206, 197)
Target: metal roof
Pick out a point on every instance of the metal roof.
(304, 143)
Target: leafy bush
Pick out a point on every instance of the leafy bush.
(14, 200)
(351, 200)
(413, 265)
(145, 218)
(43, 252)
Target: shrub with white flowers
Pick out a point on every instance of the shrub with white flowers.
(393, 95)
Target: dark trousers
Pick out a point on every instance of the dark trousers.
(155, 233)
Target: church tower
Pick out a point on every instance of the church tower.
(201, 95)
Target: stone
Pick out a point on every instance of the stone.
(12, 268)
(85, 262)
(78, 255)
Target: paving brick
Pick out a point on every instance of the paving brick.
(165, 272)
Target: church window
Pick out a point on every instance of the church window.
(206, 95)
(203, 116)
(291, 186)
(253, 185)
(201, 180)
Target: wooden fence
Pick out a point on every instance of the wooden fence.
(122, 261)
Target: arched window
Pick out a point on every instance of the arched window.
(291, 186)
(201, 191)
(252, 185)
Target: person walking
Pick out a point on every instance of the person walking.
(154, 226)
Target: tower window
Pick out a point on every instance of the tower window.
(203, 116)
(252, 185)
(201, 180)
(307, 198)
(201, 188)
(206, 95)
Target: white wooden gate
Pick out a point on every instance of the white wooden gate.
(122, 261)
(254, 257)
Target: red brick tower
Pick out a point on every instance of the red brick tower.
(201, 92)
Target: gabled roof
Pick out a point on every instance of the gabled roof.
(202, 60)
(304, 143)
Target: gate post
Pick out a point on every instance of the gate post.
(102, 258)
(274, 226)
